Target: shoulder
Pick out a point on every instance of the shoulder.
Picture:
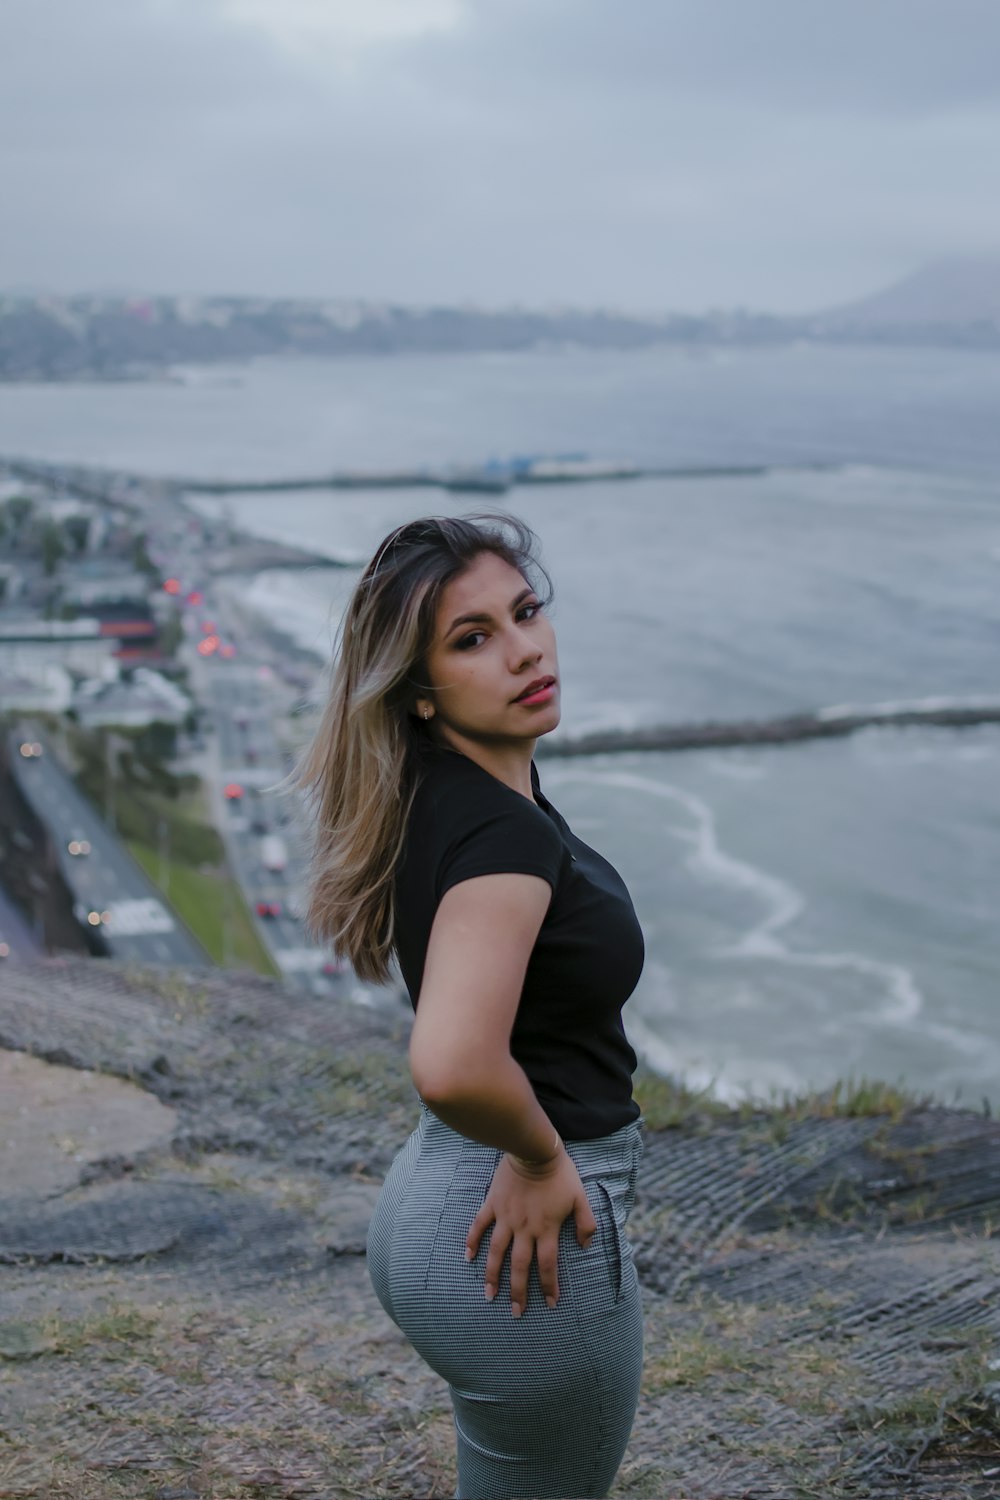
(469, 823)
(452, 785)
(448, 775)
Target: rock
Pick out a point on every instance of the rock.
(56, 1121)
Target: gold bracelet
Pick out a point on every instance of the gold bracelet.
(526, 1161)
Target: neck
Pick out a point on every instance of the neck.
(508, 762)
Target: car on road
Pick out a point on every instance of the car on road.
(232, 791)
(273, 853)
(31, 750)
(78, 846)
(268, 908)
(4, 949)
(90, 916)
(93, 924)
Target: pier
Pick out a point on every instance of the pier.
(119, 487)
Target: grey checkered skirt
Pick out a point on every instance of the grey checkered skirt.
(543, 1404)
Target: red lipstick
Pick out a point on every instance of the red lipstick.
(539, 691)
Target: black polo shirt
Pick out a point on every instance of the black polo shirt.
(568, 1034)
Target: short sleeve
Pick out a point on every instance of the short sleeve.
(512, 838)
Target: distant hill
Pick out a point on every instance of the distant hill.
(114, 338)
(950, 302)
(956, 292)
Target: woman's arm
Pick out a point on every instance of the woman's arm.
(474, 971)
(460, 1059)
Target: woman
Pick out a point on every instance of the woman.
(498, 1241)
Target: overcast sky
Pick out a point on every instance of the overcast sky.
(784, 155)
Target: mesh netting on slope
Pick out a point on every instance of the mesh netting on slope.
(823, 1297)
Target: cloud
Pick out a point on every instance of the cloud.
(337, 29)
(872, 57)
(657, 154)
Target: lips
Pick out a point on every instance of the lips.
(535, 687)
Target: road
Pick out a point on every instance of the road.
(17, 939)
(247, 755)
(244, 688)
(111, 892)
(244, 696)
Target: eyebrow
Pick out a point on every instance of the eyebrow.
(485, 619)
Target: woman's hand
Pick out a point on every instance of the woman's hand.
(527, 1206)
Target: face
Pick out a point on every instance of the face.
(492, 644)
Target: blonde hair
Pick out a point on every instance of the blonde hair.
(361, 770)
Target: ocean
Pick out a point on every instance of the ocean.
(811, 911)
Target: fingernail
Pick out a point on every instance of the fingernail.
(468, 1253)
(515, 1309)
(550, 1302)
(491, 1292)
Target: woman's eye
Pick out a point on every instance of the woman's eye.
(523, 612)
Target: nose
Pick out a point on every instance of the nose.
(524, 653)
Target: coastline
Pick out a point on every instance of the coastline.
(247, 555)
(756, 900)
(822, 723)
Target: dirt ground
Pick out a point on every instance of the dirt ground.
(188, 1166)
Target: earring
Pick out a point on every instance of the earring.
(427, 713)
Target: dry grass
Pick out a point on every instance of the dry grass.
(667, 1104)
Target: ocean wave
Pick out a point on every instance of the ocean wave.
(897, 999)
(894, 707)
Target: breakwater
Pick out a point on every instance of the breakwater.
(829, 723)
